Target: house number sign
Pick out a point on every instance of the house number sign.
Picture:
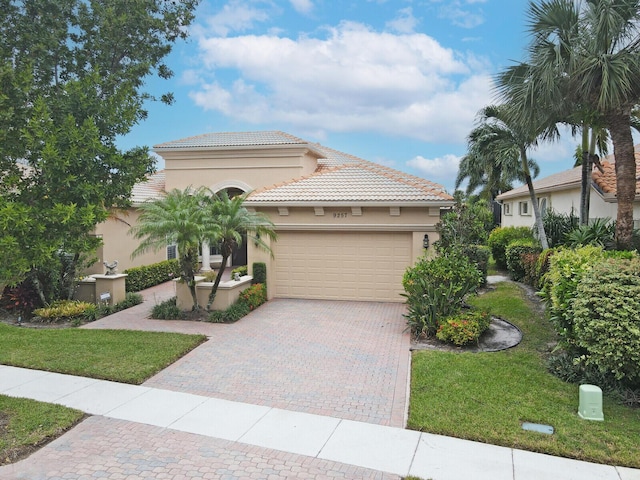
(339, 214)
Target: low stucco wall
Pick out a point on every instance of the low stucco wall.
(227, 294)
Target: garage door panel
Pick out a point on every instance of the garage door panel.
(341, 265)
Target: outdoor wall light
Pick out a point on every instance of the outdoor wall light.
(425, 240)
(256, 241)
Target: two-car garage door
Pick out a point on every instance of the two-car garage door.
(341, 265)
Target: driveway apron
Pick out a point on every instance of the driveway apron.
(342, 359)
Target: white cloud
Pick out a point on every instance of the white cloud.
(353, 79)
(302, 6)
(235, 16)
(404, 22)
(461, 15)
(441, 168)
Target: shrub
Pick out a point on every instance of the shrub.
(242, 270)
(466, 223)
(64, 310)
(260, 273)
(501, 237)
(600, 232)
(541, 268)
(478, 254)
(566, 270)
(131, 299)
(514, 255)
(232, 314)
(464, 328)
(606, 314)
(21, 298)
(435, 288)
(167, 310)
(254, 296)
(147, 276)
(557, 226)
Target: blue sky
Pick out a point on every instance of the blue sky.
(394, 82)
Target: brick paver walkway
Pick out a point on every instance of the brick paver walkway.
(111, 449)
(342, 359)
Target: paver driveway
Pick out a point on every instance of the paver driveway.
(343, 359)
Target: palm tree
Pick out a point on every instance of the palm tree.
(585, 56)
(231, 222)
(493, 175)
(507, 141)
(178, 218)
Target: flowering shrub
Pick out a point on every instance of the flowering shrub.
(464, 328)
(254, 296)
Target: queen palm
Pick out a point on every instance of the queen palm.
(483, 169)
(231, 223)
(507, 141)
(178, 218)
(585, 56)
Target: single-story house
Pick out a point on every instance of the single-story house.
(561, 192)
(347, 228)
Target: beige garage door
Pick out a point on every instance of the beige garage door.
(342, 265)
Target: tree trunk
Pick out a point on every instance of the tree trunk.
(623, 151)
(534, 201)
(585, 185)
(188, 276)
(214, 290)
(69, 277)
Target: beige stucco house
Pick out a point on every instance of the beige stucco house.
(561, 192)
(347, 228)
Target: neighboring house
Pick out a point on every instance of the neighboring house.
(561, 192)
(347, 228)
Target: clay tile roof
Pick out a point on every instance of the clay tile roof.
(150, 189)
(233, 139)
(606, 180)
(353, 182)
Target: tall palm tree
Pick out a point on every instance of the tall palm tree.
(480, 166)
(231, 222)
(585, 55)
(178, 218)
(507, 142)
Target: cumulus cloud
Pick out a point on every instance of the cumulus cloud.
(404, 22)
(302, 6)
(351, 79)
(441, 169)
(235, 16)
(460, 14)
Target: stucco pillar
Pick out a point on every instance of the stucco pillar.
(206, 260)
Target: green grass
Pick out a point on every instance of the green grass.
(119, 355)
(26, 425)
(486, 396)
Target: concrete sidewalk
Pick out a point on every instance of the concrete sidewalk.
(330, 447)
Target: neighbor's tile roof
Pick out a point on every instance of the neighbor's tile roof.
(353, 182)
(150, 189)
(604, 181)
(233, 139)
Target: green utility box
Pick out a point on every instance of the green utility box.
(590, 407)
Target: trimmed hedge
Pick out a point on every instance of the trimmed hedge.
(148, 276)
(606, 314)
(515, 253)
(501, 237)
(463, 328)
(249, 299)
(259, 272)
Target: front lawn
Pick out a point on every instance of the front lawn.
(119, 355)
(26, 425)
(486, 396)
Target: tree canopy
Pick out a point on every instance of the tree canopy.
(72, 76)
